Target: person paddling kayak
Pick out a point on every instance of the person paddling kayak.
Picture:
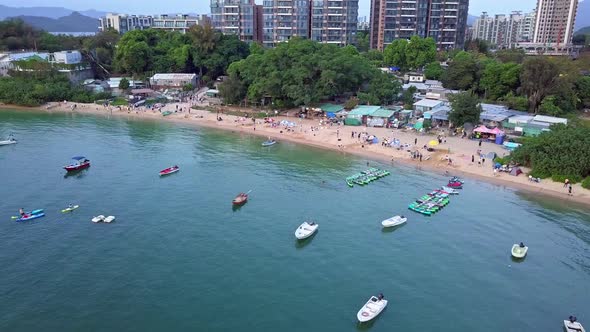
(22, 213)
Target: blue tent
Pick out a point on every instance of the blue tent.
(330, 115)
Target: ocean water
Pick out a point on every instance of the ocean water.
(179, 258)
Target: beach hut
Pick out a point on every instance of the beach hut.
(380, 118)
(359, 115)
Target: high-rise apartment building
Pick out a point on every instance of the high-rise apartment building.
(324, 21)
(238, 17)
(443, 20)
(554, 24)
(503, 31)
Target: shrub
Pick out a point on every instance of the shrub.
(586, 183)
(561, 178)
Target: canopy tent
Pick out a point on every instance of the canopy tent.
(331, 108)
(330, 115)
(78, 158)
(515, 171)
(482, 129)
(496, 131)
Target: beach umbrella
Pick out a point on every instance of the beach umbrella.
(433, 143)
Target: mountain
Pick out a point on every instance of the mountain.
(75, 22)
(471, 19)
(51, 12)
(583, 31)
(583, 16)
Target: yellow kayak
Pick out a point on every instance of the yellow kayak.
(70, 209)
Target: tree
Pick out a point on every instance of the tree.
(538, 77)
(362, 41)
(462, 72)
(560, 153)
(548, 107)
(477, 46)
(465, 108)
(511, 55)
(433, 71)
(395, 54)
(420, 52)
(498, 79)
(583, 90)
(124, 84)
(383, 90)
(232, 90)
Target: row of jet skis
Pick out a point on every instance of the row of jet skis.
(434, 201)
(366, 177)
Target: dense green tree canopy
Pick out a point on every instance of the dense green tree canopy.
(498, 79)
(302, 72)
(462, 73)
(433, 71)
(465, 108)
(410, 54)
(560, 153)
(539, 76)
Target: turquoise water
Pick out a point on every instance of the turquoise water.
(179, 258)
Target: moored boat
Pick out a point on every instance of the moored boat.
(449, 190)
(241, 199)
(79, 163)
(372, 308)
(169, 170)
(269, 142)
(305, 230)
(394, 221)
(455, 185)
(166, 113)
(98, 218)
(519, 250)
(572, 325)
(109, 219)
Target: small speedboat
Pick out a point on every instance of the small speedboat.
(305, 230)
(519, 250)
(572, 325)
(241, 199)
(394, 221)
(372, 308)
(449, 190)
(455, 185)
(269, 142)
(456, 179)
(98, 218)
(8, 141)
(70, 209)
(31, 215)
(109, 219)
(169, 170)
(78, 164)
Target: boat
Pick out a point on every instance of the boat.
(269, 142)
(31, 215)
(166, 113)
(519, 250)
(70, 209)
(372, 308)
(449, 190)
(456, 179)
(572, 325)
(98, 218)
(9, 140)
(109, 219)
(79, 163)
(455, 185)
(305, 230)
(394, 221)
(241, 199)
(169, 170)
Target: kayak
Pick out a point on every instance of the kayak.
(306, 230)
(70, 209)
(394, 221)
(573, 326)
(241, 199)
(166, 113)
(169, 170)
(371, 309)
(30, 216)
(518, 251)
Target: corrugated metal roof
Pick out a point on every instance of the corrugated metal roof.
(382, 113)
(331, 108)
(549, 119)
(364, 110)
(428, 103)
(173, 76)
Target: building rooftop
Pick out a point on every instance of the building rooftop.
(173, 76)
(428, 103)
(364, 110)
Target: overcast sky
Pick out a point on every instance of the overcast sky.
(202, 6)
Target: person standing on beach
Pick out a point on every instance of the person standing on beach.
(566, 183)
(472, 159)
(416, 141)
(480, 142)
(569, 190)
(483, 161)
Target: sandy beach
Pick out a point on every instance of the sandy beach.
(317, 133)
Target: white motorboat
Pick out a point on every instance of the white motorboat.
(98, 218)
(450, 190)
(8, 141)
(306, 230)
(572, 325)
(394, 221)
(372, 308)
(109, 219)
(519, 250)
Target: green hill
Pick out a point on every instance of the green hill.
(583, 31)
(75, 22)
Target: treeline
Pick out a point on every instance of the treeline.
(538, 84)
(303, 72)
(28, 89)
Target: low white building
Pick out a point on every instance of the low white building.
(67, 57)
(178, 81)
(426, 105)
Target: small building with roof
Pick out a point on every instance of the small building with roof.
(426, 105)
(359, 115)
(172, 80)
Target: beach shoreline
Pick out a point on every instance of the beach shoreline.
(311, 132)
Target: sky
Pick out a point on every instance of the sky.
(202, 6)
